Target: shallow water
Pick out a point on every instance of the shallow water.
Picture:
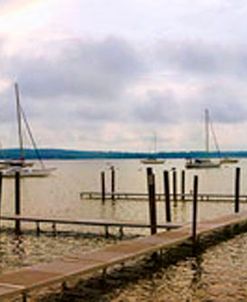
(219, 274)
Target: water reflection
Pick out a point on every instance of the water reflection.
(18, 246)
(197, 278)
(197, 272)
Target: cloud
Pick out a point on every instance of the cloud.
(97, 69)
(226, 104)
(196, 57)
(158, 107)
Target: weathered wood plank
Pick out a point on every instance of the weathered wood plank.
(63, 269)
(132, 196)
(88, 222)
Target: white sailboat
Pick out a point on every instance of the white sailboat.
(203, 163)
(26, 168)
(152, 159)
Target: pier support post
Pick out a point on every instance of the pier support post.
(194, 214)
(237, 190)
(1, 190)
(167, 196)
(174, 177)
(17, 201)
(151, 197)
(112, 183)
(183, 185)
(103, 187)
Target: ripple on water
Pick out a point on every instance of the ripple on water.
(28, 249)
(219, 274)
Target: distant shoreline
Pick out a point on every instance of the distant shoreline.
(76, 154)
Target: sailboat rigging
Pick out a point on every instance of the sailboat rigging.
(202, 163)
(152, 159)
(25, 168)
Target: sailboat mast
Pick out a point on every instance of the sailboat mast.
(207, 130)
(155, 142)
(18, 111)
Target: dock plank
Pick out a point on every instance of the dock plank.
(41, 275)
(88, 222)
(9, 290)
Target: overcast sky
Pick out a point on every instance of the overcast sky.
(109, 74)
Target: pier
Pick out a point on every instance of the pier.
(21, 283)
(131, 196)
(106, 224)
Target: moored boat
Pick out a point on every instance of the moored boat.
(201, 164)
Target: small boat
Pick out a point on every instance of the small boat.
(152, 161)
(228, 160)
(203, 163)
(4, 164)
(27, 172)
(26, 168)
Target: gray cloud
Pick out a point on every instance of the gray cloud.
(198, 57)
(226, 105)
(159, 107)
(98, 69)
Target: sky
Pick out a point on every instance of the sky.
(112, 75)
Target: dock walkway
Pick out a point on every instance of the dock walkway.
(25, 280)
(86, 222)
(132, 196)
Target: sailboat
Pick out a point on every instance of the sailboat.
(26, 168)
(228, 160)
(152, 159)
(203, 163)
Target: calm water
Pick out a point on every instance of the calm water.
(219, 274)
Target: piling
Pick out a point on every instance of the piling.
(112, 183)
(174, 176)
(237, 190)
(103, 186)
(167, 196)
(1, 189)
(194, 214)
(151, 197)
(17, 201)
(182, 185)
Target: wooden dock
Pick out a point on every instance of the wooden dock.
(106, 224)
(23, 281)
(160, 196)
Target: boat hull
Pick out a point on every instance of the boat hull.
(28, 172)
(152, 161)
(202, 164)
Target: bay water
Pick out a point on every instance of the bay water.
(219, 274)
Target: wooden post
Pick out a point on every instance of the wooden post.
(237, 189)
(17, 201)
(182, 185)
(1, 190)
(194, 215)
(103, 186)
(174, 174)
(152, 205)
(112, 183)
(167, 196)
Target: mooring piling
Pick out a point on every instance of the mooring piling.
(17, 201)
(194, 209)
(1, 190)
(152, 205)
(182, 185)
(112, 183)
(167, 196)
(237, 190)
(102, 186)
(174, 177)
